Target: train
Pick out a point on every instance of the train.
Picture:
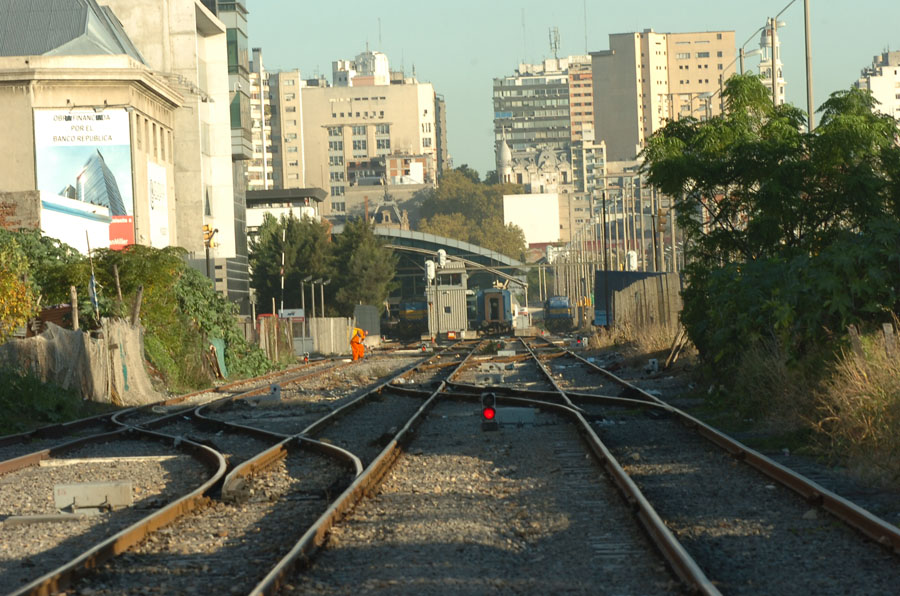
(559, 315)
(494, 310)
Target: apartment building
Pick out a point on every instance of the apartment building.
(882, 78)
(647, 78)
(373, 133)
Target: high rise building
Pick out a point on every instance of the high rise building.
(96, 184)
(233, 15)
(882, 78)
(647, 78)
(374, 133)
(532, 107)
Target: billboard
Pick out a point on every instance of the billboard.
(86, 155)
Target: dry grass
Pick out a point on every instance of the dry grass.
(858, 412)
(775, 396)
(633, 341)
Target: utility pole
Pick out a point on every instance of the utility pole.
(809, 83)
(774, 83)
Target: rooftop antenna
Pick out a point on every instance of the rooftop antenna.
(585, 27)
(524, 39)
(554, 41)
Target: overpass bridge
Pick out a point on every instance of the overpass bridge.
(482, 265)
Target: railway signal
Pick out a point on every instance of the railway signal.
(489, 412)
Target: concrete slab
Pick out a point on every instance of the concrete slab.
(109, 495)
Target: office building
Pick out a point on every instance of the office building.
(532, 107)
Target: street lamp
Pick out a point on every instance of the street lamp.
(322, 294)
(303, 283)
(313, 296)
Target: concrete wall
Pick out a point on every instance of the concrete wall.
(616, 89)
(187, 44)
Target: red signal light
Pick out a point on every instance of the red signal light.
(489, 412)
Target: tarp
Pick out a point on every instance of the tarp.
(105, 366)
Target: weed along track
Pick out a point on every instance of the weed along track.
(383, 476)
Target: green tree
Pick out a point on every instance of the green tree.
(52, 265)
(464, 209)
(18, 299)
(751, 184)
(788, 233)
(367, 268)
(307, 252)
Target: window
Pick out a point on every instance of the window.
(382, 129)
(718, 36)
(720, 67)
(359, 131)
(683, 56)
(336, 160)
(293, 164)
(426, 142)
(292, 149)
(335, 131)
(289, 82)
(702, 54)
(383, 144)
(290, 96)
(337, 191)
(336, 145)
(359, 145)
(339, 206)
(718, 54)
(337, 176)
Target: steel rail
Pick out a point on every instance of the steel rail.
(363, 485)
(549, 376)
(237, 477)
(850, 513)
(675, 554)
(111, 418)
(65, 575)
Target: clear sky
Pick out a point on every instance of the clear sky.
(460, 46)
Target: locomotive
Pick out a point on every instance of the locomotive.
(559, 315)
(494, 310)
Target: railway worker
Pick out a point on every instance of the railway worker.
(357, 348)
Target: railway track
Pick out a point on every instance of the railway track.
(276, 482)
(753, 525)
(13, 446)
(542, 505)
